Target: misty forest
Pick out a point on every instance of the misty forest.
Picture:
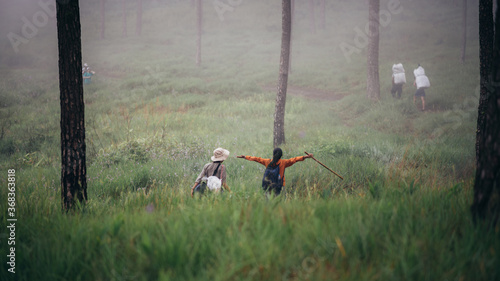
(249, 140)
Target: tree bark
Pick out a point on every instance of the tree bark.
(464, 29)
(486, 204)
(124, 23)
(312, 16)
(486, 35)
(322, 23)
(279, 113)
(199, 26)
(292, 25)
(103, 18)
(73, 165)
(372, 81)
(138, 24)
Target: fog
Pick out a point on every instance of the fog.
(29, 35)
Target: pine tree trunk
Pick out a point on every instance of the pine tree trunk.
(464, 30)
(73, 165)
(373, 82)
(486, 203)
(103, 18)
(292, 25)
(486, 35)
(322, 23)
(199, 26)
(138, 24)
(312, 16)
(124, 23)
(279, 113)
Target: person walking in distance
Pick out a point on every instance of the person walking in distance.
(398, 80)
(421, 82)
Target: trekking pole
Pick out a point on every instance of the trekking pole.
(324, 166)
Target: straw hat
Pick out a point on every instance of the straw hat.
(220, 154)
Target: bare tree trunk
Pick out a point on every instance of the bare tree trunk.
(312, 16)
(124, 23)
(73, 165)
(322, 22)
(103, 18)
(464, 29)
(372, 81)
(279, 113)
(199, 26)
(138, 24)
(486, 203)
(486, 35)
(292, 24)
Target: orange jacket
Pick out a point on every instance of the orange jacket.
(284, 163)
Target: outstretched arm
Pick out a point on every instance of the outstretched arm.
(262, 161)
(291, 161)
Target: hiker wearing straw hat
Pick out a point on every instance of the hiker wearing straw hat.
(213, 175)
(274, 175)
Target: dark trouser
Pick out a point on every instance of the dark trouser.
(420, 92)
(397, 89)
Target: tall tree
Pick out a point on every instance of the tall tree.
(322, 22)
(292, 26)
(372, 81)
(279, 112)
(138, 23)
(124, 22)
(312, 16)
(73, 165)
(103, 18)
(486, 203)
(464, 29)
(199, 27)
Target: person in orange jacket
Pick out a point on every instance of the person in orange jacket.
(274, 176)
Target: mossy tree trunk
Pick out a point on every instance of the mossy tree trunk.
(73, 165)
(279, 112)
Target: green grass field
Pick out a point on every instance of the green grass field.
(153, 119)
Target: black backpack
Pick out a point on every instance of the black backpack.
(272, 180)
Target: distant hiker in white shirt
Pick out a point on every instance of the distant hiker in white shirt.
(398, 80)
(421, 82)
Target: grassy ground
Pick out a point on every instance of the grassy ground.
(153, 119)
